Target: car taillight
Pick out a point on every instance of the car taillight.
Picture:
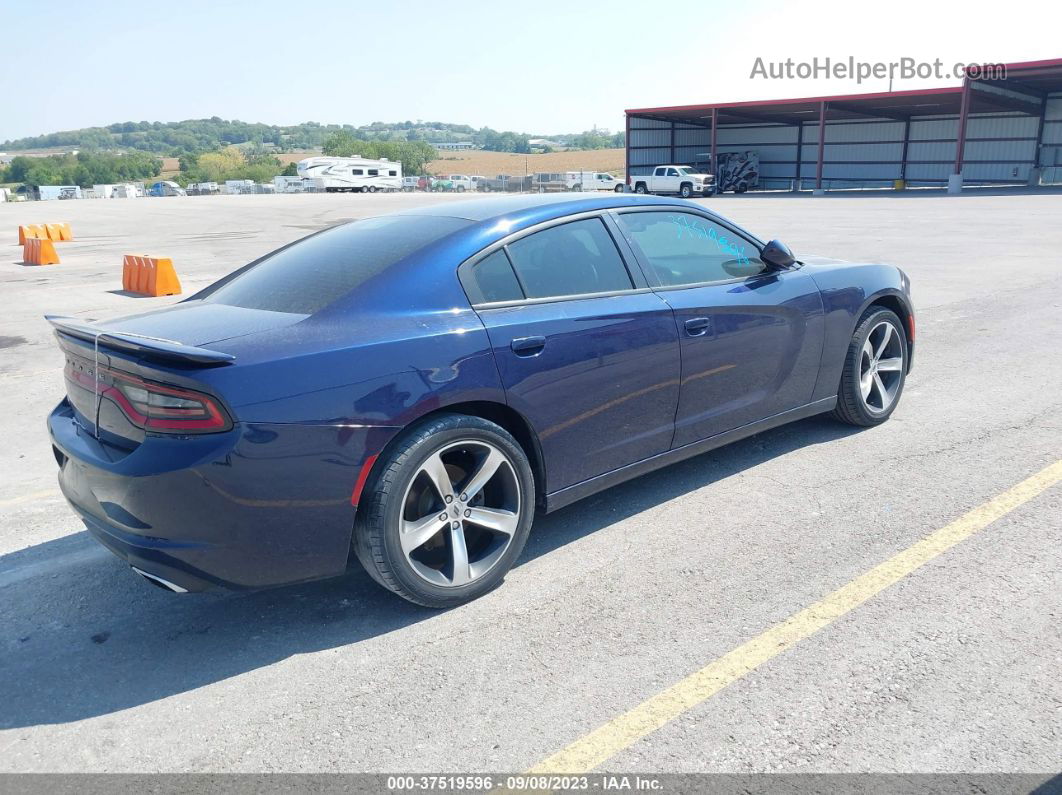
(156, 407)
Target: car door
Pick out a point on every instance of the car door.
(586, 351)
(750, 337)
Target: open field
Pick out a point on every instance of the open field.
(489, 164)
(954, 668)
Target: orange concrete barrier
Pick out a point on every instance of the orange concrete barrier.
(36, 251)
(29, 231)
(152, 276)
(53, 232)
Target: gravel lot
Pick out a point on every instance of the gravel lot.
(954, 669)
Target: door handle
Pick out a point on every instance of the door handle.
(528, 346)
(698, 326)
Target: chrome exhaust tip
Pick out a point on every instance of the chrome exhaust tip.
(158, 581)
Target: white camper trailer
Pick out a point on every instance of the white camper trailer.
(51, 192)
(352, 174)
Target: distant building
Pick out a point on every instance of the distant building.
(447, 146)
(546, 143)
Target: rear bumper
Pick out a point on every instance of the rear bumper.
(257, 506)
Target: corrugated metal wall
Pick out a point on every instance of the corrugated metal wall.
(1000, 148)
(1051, 149)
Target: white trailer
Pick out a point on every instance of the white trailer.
(284, 184)
(352, 174)
(51, 192)
(238, 186)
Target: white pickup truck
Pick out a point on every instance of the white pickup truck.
(682, 180)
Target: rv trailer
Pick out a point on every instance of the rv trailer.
(352, 174)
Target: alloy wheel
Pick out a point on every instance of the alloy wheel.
(881, 367)
(460, 513)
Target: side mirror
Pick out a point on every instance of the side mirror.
(777, 253)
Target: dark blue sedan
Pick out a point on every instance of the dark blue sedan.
(408, 389)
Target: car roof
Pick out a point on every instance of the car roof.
(541, 205)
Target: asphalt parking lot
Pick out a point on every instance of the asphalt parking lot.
(617, 599)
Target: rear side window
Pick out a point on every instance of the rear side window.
(493, 280)
(571, 259)
(314, 272)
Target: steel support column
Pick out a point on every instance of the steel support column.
(822, 146)
(964, 113)
(903, 151)
(712, 168)
(672, 160)
(1040, 132)
(627, 153)
(800, 156)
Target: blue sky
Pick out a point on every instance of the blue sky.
(534, 67)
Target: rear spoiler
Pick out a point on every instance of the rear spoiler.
(151, 348)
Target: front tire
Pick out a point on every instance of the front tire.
(875, 369)
(685, 191)
(448, 512)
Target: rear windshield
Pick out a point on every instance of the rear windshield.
(314, 272)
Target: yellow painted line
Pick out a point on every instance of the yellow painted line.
(33, 495)
(619, 733)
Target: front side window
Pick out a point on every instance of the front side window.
(575, 258)
(672, 172)
(683, 248)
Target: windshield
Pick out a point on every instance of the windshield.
(307, 276)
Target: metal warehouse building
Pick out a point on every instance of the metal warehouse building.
(984, 132)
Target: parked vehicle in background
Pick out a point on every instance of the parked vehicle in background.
(505, 183)
(683, 180)
(462, 182)
(410, 184)
(593, 180)
(549, 182)
(203, 189)
(166, 187)
(352, 174)
(239, 186)
(737, 171)
(441, 184)
(288, 184)
(53, 192)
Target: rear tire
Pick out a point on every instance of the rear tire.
(875, 370)
(640, 188)
(429, 543)
(618, 189)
